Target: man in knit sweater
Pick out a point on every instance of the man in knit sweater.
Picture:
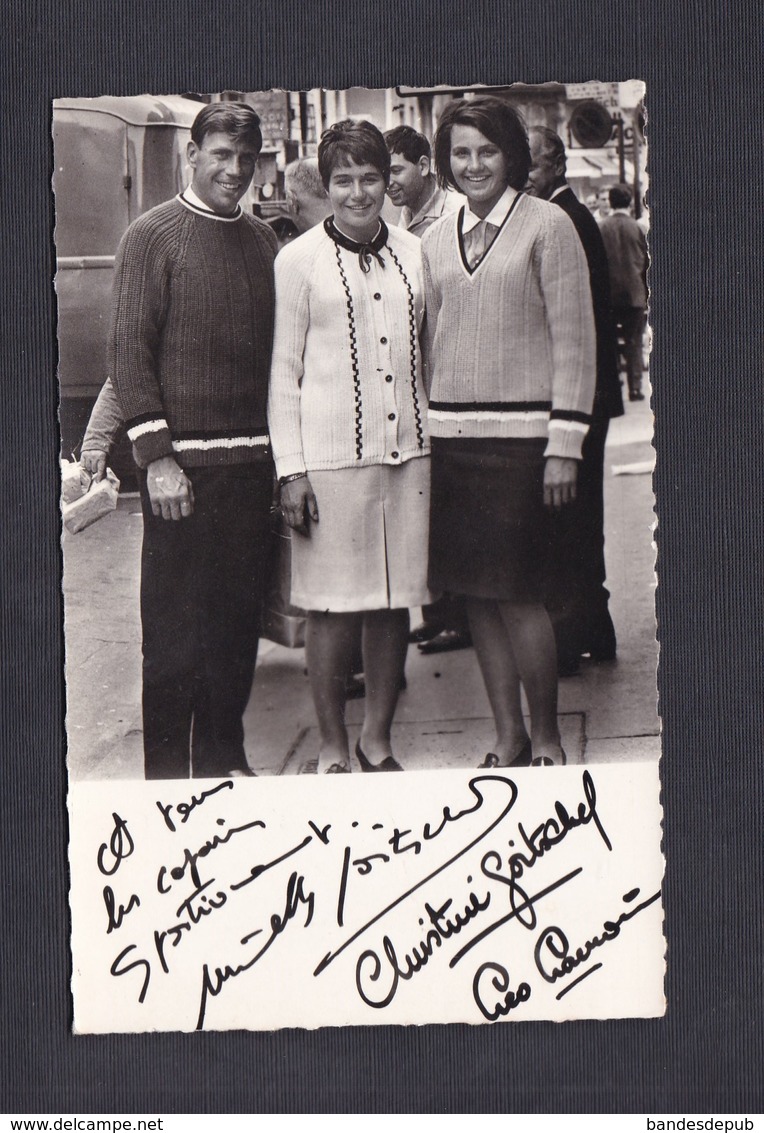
(189, 350)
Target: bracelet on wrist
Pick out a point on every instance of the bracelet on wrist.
(288, 479)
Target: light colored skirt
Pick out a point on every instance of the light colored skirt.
(368, 550)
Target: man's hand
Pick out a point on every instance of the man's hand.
(170, 489)
(560, 475)
(299, 504)
(94, 462)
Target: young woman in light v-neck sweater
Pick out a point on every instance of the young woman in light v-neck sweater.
(511, 370)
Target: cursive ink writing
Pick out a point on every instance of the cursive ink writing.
(214, 982)
(321, 832)
(528, 903)
(553, 942)
(117, 971)
(500, 983)
(195, 913)
(117, 913)
(477, 787)
(191, 857)
(120, 846)
(258, 870)
(548, 834)
(185, 809)
(443, 928)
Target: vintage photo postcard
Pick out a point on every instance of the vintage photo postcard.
(357, 479)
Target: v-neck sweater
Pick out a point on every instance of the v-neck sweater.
(510, 344)
(192, 333)
(346, 384)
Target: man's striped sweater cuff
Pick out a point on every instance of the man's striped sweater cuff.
(151, 438)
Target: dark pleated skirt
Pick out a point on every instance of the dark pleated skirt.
(489, 535)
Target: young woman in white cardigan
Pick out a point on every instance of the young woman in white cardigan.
(511, 369)
(348, 424)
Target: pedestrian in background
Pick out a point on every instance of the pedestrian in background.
(626, 247)
(576, 597)
(414, 189)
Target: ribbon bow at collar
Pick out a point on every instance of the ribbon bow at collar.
(364, 250)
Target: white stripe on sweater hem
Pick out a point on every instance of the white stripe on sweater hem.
(221, 442)
(488, 415)
(155, 426)
(569, 426)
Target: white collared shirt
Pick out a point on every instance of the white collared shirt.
(496, 216)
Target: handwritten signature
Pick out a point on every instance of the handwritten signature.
(442, 908)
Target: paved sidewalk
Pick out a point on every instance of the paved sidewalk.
(607, 713)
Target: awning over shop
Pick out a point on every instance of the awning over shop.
(596, 164)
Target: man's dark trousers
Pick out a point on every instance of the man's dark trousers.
(631, 321)
(578, 599)
(202, 586)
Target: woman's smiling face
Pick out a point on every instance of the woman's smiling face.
(479, 168)
(357, 193)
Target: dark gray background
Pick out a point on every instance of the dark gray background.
(703, 69)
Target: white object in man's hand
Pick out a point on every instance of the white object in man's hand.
(169, 489)
(94, 462)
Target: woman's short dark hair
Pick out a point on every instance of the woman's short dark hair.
(495, 120)
(359, 142)
(238, 119)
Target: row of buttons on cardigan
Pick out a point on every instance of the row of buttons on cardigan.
(388, 378)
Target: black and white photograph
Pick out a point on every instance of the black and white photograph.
(299, 536)
(213, 640)
(355, 396)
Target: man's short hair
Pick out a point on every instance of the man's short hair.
(496, 120)
(238, 119)
(620, 197)
(553, 145)
(350, 141)
(408, 142)
(303, 175)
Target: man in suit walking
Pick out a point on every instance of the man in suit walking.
(577, 598)
(626, 248)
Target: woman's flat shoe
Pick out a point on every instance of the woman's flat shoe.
(545, 761)
(387, 764)
(523, 758)
(337, 769)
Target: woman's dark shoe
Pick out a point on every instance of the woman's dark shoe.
(387, 764)
(447, 641)
(545, 761)
(355, 687)
(523, 758)
(424, 632)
